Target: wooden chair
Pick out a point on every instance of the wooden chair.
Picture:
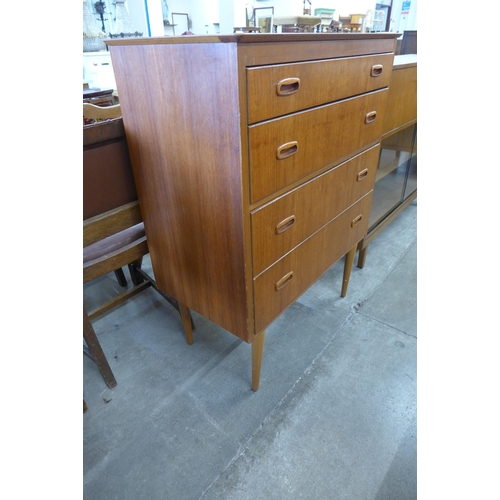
(115, 161)
(99, 113)
(113, 231)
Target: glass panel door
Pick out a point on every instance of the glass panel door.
(411, 183)
(391, 179)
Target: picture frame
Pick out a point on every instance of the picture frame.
(263, 18)
(181, 21)
(265, 23)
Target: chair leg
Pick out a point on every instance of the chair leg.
(137, 278)
(120, 277)
(97, 352)
(349, 259)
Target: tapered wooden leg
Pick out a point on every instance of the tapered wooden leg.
(187, 323)
(257, 351)
(97, 352)
(362, 257)
(349, 259)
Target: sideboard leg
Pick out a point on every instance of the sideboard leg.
(362, 257)
(257, 350)
(186, 321)
(349, 259)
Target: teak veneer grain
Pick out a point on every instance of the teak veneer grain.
(212, 187)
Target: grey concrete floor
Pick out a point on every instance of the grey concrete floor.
(334, 418)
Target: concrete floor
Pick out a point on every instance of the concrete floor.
(334, 418)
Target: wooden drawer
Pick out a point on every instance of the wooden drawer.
(282, 89)
(284, 150)
(281, 225)
(277, 288)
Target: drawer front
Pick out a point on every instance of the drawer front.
(287, 279)
(281, 225)
(285, 150)
(286, 88)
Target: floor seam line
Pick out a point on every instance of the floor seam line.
(280, 403)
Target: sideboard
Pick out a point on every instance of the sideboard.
(396, 180)
(254, 157)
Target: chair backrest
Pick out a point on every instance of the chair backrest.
(108, 180)
(101, 112)
(109, 223)
(113, 231)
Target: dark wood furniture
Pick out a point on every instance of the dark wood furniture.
(254, 165)
(396, 179)
(113, 230)
(408, 43)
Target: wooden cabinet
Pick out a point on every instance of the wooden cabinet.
(396, 179)
(254, 157)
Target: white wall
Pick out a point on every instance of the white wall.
(230, 13)
(401, 21)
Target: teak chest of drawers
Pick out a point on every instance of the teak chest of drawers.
(254, 157)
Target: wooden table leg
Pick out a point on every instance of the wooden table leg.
(362, 257)
(257, 350)
(186, 321)
(349, 259)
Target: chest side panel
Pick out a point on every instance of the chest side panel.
(181, 115)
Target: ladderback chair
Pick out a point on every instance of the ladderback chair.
(99, 113)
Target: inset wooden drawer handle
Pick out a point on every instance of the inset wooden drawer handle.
(362, 175)
(288, 86)
(377, 69)
(285, 224)
(370, 117)
(356, 220)
(283, 281)
(286, 150)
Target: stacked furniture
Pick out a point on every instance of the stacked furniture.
(296, 24)
(353, 22)
(326, 16)
(254, 165)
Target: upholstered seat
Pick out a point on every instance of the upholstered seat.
(113, 243)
